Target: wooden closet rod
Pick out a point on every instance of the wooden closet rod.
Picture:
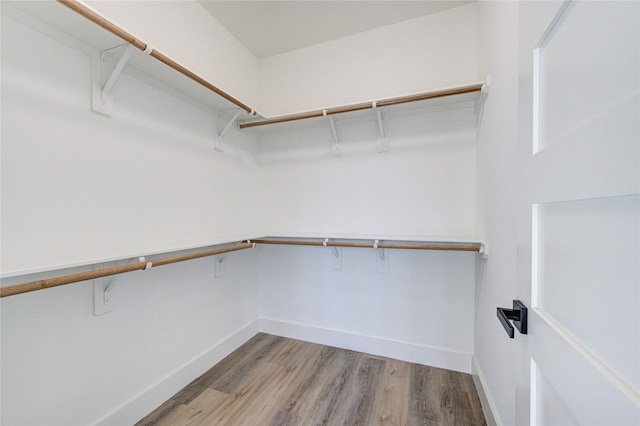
(114, 270)
(368, 105)
(119, 32)
(409, 246)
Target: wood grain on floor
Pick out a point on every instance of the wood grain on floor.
(273, 380)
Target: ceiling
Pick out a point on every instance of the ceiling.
(268, 28)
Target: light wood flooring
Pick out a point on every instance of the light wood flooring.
(273, 380)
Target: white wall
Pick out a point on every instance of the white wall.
(496, 194)
(414, 56)
(78, 186)
(423, 187)
(421, 311)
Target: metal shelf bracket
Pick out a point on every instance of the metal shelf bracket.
(484, 250)
(103, 288)
(337, 259)
(219, 142)
(382, 142)
(479, 106)
(336, 146)
(383, 258)
(102, 85)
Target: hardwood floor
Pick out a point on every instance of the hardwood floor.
(273, 380)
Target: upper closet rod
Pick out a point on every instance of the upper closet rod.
(368, 105)
(410, 246)
(114, 270)
(83, 10)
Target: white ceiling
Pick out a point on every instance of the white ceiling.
(268, 27)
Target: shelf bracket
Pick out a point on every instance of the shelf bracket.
(382, 142)
(220, 266)
(106, 89)
(479, 107)
(336, 146)
(102, 85)
(383, 258)
(484, 250)
(103, 289)
(338, 259)
(219, 142)
(337, 255)
(103, 302)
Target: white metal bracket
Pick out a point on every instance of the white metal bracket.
(484, 250)
(336, 260)
(382, 142)
(102, 85)
(336, 146)
(108, 85)
(98, 63)
(382, 258)
(479, 107)
(220, 266)
(104, 300)
(219, 142)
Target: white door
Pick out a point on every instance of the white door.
(579, 213)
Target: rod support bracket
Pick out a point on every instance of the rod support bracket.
(478, 109)
(337, 258)
(337, 255)
(382, 258)
(103, 288)
(336, 145)
(382, 142)
(220, 261)
(484, 250)
(219, 142)
(104, 78)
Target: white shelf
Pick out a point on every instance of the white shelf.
(471, 101)
(60, 22)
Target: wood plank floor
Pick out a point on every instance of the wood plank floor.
(273, 380)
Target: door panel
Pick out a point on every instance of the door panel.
(575, 380)
(579, 212)
(549, 405)
(585, 66)
(583, 269)
(598, 159)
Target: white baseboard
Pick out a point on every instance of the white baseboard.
(404, 351)
(152, 397)
(485, 399)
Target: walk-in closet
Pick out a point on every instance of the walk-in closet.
(428, 216)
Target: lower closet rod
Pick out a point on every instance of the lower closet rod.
(409, 246)
(91, 275)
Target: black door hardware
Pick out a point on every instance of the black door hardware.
(519, 316)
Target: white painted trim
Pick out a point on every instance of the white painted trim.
(449, 359)
(149, 399)
(488, 407)
(591, 357)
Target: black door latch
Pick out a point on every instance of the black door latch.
(519, 316)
